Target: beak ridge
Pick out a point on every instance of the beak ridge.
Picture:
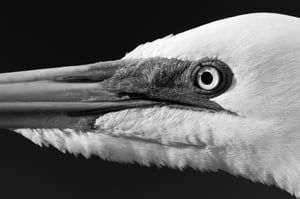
(65, 84)
(93, 72)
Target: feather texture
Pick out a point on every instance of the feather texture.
(262, 143)
(185, 138)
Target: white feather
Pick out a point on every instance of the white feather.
(262, 143)
(241, 146)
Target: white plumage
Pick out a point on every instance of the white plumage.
(262, 143)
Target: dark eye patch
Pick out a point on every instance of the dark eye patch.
(169, 80)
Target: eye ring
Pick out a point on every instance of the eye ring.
(218, 70)
(208, 78)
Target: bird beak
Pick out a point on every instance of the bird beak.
(72, 92)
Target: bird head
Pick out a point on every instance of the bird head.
(225, 95)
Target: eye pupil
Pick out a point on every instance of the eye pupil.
(206, 78)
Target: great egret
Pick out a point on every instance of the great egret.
(225, 95)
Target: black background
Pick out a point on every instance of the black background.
(49, 34)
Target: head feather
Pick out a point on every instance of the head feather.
(262, 143)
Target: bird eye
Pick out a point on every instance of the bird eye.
(208, 78)
(211, 77)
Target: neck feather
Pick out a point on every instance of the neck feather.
(258, 150)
